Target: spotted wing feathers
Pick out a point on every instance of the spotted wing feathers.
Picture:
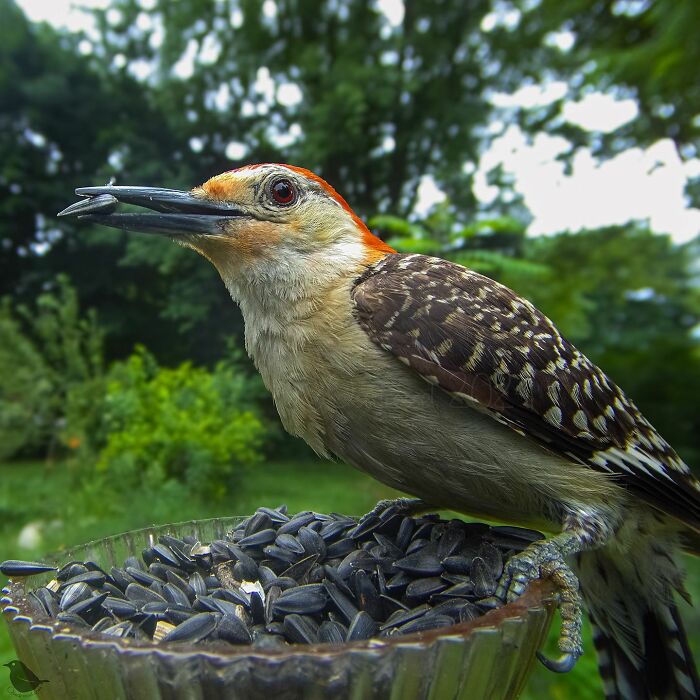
(484, 345)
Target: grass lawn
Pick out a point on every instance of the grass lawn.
(65, 516)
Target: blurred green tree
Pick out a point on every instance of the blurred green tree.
(51, 371)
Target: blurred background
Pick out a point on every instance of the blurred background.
(550, 144)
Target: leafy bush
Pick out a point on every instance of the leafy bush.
(51, 373)
(187, 425)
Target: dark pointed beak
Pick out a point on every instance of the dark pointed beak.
(178, 212)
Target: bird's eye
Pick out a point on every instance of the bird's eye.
(283, 192)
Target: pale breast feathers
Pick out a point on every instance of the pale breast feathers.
(489, 348)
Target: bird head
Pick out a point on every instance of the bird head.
(268, 224)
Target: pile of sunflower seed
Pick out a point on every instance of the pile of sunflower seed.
(279, 579)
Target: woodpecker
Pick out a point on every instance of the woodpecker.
(446, 385)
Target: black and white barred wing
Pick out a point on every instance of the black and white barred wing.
(484, 345)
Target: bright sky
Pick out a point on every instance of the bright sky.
(646, 184)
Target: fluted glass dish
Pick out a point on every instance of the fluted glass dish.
(488, 658)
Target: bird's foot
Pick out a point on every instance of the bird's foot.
(398, 506)
(544, 559)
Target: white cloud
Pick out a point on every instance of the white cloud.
(236, 17)
(429, 194)
(264, 85)
(236, 150)
(634, 185)
(289, 94)
(269, 9)
(219, 99)
(599, 112)
(210, 50)
(531, 96)
(388, 143)
(284, 139)
(393, 10)
(184, 68)
(63, 13)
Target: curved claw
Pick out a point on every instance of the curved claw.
(563, 664)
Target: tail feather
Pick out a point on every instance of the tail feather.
(643, 651)
(666, 671)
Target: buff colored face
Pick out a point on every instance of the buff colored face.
(286, 212)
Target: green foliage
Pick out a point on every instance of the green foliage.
(50, 372)
(186, 425)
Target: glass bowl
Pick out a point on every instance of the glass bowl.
(487, 658)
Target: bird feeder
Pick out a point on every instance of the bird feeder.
(488, 657)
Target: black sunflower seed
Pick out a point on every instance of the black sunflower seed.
(364, 527)
(74, 594)
(367, 596)
(483, 578)
(492, 558)
(341, 602)
(71, 619)
(197, 584)
(72, 568)
(290, 542)
(123, 609)
(233, 630)
(311, 541)
(340, 548)
(361, 627)
(280, 553)
(332, 530)
(420, 564)
(176, 614)
(356, 560)
(166, 555)
(426, 622)
(237, 596)
(469, 612)
(45, 601)
(140, 594)
(193, 629)
(258, 539)
(134, 563)
(398, 582)
(302, 568)
(175, 595)
(277, 517)
(257, 608)
(300, 629)
(257, 523)
(401, 617)
(88, 607)
(456, 564)
(303, 600)
(121, 578)
(15, 568)
(422, 588)
(96, 579)
(450, 542)
(291, 527)
(142, 577)
(332, 632)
